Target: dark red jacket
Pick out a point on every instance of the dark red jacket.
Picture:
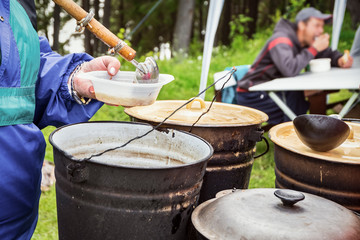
(282, 56)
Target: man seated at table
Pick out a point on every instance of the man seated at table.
(286, 53)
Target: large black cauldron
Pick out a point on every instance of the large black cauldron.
(232, 130)
(146, 190)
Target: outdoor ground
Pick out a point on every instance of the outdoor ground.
(186, 85)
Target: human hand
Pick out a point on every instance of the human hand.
(84, 87)
(345, 61)
(321, 42)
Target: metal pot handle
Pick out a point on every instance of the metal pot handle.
(77, 172)
(267, 147)
(202, 103)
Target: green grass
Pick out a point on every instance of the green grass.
(262, 175)
(186, 85)
(47, 224)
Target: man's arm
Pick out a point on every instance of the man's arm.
(282, 55)
(328, 53)
(337, 59)
(355, 48)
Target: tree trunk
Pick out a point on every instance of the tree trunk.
(183, 25)
(237, 7)
(224, 25)
(87, 40)
(253, 13)
(121, 18)
(201, 21)
(243, 7)
(354, 8)
(106, 22)
(95, 40)
(272, 8)
(56, 15)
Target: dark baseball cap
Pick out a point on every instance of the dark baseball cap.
(312, 12)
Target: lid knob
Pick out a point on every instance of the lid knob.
(289, 197)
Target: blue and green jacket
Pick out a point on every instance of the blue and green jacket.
(33, 94)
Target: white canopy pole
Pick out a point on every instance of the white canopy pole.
(212, 22)
(338, 18)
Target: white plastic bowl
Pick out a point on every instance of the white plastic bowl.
(122, 89)
(320, 65)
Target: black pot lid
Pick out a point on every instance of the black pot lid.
(259, 214)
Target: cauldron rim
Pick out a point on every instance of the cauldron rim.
(74, 159)
(263, 117)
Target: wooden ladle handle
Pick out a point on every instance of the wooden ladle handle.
(97, 28)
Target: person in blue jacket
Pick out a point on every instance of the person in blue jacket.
(38, 88)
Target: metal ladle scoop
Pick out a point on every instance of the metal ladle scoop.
(147, 71)
(320, 132)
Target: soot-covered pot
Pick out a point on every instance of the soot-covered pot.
(232, 130)
(333, 174)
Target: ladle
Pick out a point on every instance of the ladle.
(146, 72)
(320, 132)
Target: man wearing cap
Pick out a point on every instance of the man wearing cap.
(286, 53)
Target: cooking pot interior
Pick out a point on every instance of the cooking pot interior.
(158, 149)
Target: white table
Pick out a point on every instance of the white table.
(335, 79)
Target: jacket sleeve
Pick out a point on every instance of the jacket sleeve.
(288, 63)
(355, 48)
(328, 53)
(54, 103)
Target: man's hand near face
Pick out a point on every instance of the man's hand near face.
(321, 42)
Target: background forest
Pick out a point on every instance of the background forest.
(180, 23)
(244, 27)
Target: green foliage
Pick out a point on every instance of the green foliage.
(238, 25)
(156, 29)
(263, 175)
(277, 16)
(347, 34)
(293, 8)
(249, 48)
(48, 154)
(121, 35)
(196, 47)
(111, 113)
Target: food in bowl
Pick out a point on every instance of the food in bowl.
(320, 65)
(123, 89)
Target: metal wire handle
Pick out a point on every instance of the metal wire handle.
(267, 147)
(157, 126)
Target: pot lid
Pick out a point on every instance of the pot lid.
(259, 214)
(285, 136)
(220, 114)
